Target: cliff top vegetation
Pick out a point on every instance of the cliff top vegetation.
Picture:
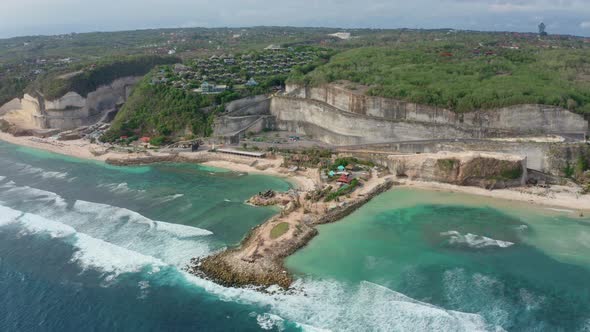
(463, 77)
(85, 78)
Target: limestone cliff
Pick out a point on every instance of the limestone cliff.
(69, 111)
(487, 170)
(335, 114)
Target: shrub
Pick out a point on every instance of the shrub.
(447, 165)
(345, 190)
(158, 140)
(512, 173)
(415, 72)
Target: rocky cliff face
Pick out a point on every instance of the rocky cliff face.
(71, 110)
(487, 170)
(515, 120)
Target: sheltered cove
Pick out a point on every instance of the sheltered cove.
(259, 259)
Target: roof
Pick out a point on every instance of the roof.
(343, 178)
(273, 47)
(242, 153)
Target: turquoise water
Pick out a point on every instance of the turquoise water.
(519, 267)
(87, 246)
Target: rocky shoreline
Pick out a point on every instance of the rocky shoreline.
(258, 261)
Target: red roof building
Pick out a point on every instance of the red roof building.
(344, 179)
(145, 139)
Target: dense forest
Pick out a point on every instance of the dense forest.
(462, 78)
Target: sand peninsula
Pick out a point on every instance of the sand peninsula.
(259, 258)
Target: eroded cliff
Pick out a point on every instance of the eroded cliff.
(487, 170)
(69, 111)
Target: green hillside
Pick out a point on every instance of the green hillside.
(465, 78)
(162, 111)
(86, 78)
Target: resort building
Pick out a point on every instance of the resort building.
(207, 88)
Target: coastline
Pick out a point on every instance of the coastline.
(259, 259)
(302, 180)
(78, 148)
(556, 196)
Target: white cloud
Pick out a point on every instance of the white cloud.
(585, 25)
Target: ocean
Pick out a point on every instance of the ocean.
(88, 246)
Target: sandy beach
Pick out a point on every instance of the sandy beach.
(77, 148)
(556, 196)
(305, 180)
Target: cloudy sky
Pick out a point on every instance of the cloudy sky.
(30, 17)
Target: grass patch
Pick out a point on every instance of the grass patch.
(279, 230)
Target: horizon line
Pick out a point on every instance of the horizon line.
(283, 27)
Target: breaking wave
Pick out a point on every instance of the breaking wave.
(36, 171)
(172, 243)
(314, 304)
(89, 252)
(120, 188)
(322, 305)
(25, 194)
(474, 241)
(116, 241)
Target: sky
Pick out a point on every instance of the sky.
(34, 17)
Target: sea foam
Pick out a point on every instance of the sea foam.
(28, 169)
(121, 188)
(104, 211)
(109, 258)
(474, 241)
(323, 305)
(8, 215)
(172, 243)
(115, 240)
(317, 305)
(89, 252)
